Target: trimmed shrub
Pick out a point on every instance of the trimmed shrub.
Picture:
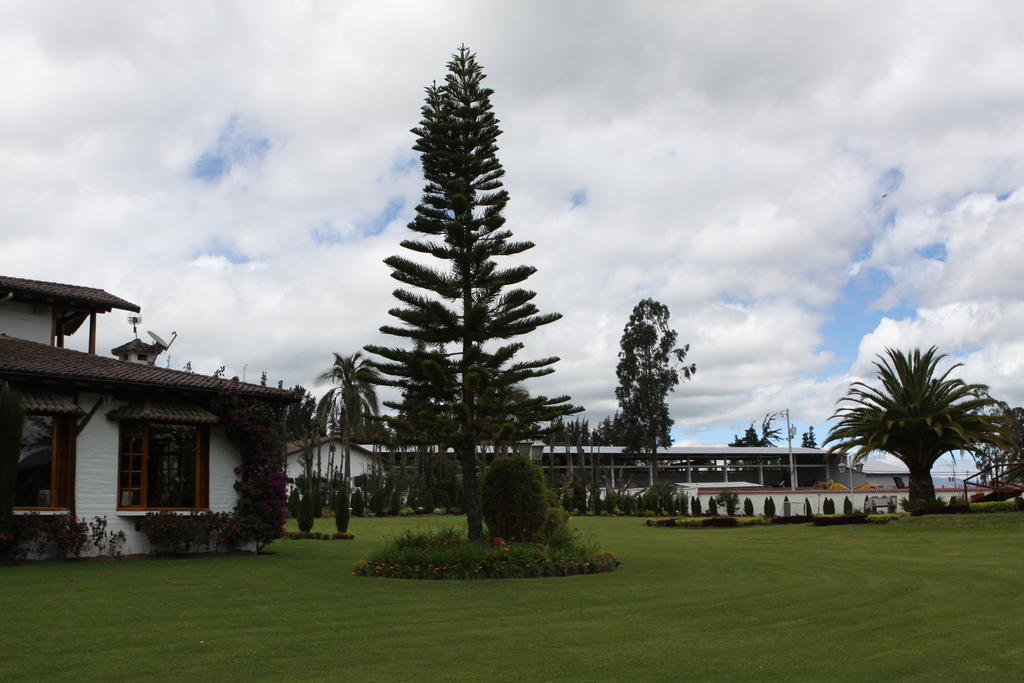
(720, 521)
(341, 512)
(358, 504)
(940, 510)
(514, 498)
(807, 508)
(395, 502)
(836, 520)
(306, 512)
(317, 503)
(881, 519)
(829, 507)
(847, 506)
(294, 501)
(730, 500)
(556, 521)
(750, 520)
(793, 519)
(712, 508)
(748, 508)
(695, 506)
(683, 503)
(995, 506)
(769, 508)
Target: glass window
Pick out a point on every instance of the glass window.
(162, 466)
(44, 464)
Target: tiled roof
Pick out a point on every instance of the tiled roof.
(56, 291)
(136, 345)
(164, 411)
(22, 358)
(45, 403)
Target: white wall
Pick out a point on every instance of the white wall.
(360, 460)
(26, 321)
(96, 468)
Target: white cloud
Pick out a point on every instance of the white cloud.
(731, 155)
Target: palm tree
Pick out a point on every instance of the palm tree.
(350, 400)
(917, 416)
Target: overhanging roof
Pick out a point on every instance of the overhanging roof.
(21, 359)
(59, 293)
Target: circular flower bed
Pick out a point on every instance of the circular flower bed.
(447, 554)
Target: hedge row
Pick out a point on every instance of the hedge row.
(818, 520)
(317, 536)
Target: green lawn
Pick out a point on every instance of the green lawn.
(936, 598)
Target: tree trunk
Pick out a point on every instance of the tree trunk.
(921, 485)
(474, 514)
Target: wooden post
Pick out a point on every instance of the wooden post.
(92, 333)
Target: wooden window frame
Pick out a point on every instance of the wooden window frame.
(62, 465)
(202, 465)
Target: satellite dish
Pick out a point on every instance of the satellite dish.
(160, 340)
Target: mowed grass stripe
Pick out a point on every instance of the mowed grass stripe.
(932, 597)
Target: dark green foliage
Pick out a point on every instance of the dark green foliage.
(769, 507)
(808, 439)
(306, 511)
(628, 504)
(730, 500)
(683, 503)
(847, 506)
(317, 504)
(294, 501)
(461, 317)
(12, 419)
(828, 507)
(748, 507)
(514, 498)
(649, 368)
(659, 497)
(342, 514)
(807, 508)
(596, 504)
(379, 502)
(695, 506)
(445, 554)
(395, 502)
(769, 434)
(712, 507)
(917, 415)
(358, 503)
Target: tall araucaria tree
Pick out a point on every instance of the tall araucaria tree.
(462, 313)
(649, 368)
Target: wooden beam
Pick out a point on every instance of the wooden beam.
(92, 333)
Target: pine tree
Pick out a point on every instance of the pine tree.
(649, 368)
(808, 439)
(769, 508)
(463, 310)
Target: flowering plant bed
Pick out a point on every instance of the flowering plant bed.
(447, 554)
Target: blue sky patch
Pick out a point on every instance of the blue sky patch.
(578, 197)
(852, 316)
(326, 234)
(388, 213)
(238, 143)
(219, 247)
(935, 251)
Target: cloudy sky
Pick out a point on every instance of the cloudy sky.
(802, 183)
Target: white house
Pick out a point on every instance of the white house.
(104, 436)
(329, 450)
